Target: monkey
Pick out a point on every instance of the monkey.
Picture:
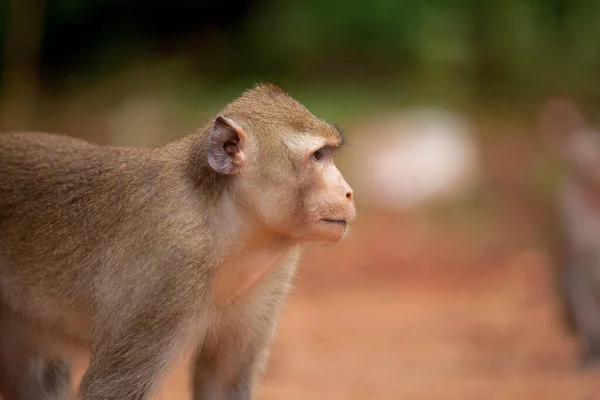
(574, 223)
(138, 256)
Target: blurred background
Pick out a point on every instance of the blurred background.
(446, 286)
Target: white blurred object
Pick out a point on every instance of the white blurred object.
(409, 158)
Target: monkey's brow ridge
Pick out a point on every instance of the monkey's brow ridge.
(341, 135)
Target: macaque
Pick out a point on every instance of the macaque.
(577, 246)
(140, 256)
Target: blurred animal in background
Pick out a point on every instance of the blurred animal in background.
(144, 256)
(413, 158)
(576, 244)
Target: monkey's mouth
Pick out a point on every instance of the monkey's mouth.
(334, 221)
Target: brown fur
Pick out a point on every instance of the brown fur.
(141, 255)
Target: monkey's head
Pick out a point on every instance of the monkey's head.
(570, 137)
(277, 161)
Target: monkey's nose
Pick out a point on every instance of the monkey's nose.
(346, 188)
(350, 194)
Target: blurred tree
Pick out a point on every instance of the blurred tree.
(507, 49)
(20, 80)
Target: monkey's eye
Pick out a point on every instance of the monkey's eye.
(319, 154)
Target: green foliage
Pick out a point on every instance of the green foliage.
(492, 48)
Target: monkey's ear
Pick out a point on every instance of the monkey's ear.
(226, 148)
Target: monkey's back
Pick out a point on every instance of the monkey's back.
(62, 201)
(47, 180)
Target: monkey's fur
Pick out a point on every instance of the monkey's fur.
(142, 255)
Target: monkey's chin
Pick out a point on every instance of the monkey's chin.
(331, 230)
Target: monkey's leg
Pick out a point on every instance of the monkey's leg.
(129, 358)
(229, 370)
(585, 311)
(25, 372)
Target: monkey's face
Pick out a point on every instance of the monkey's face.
(287, 183)
(294, 187)
(327, 201)
(313, 201)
